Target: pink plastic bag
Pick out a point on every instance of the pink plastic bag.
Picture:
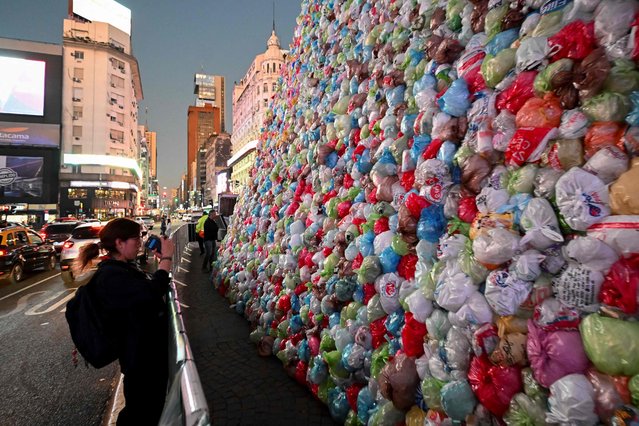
(554, 355)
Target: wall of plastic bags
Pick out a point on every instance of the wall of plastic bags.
(443, 220)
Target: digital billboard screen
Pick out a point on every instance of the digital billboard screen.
(21, 177)
(22, 86)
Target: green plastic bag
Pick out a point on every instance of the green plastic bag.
(369, 270)
(543, 80)
(611, 344)
(379, 358)
(494, 18)
(495, 68)
(431, 390)
(633, 386)
(523, 411)
(334, 361)
(327, 343)
(386, 415)
(623, 77)
(607, 106)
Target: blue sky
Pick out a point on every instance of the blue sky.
(172, 40)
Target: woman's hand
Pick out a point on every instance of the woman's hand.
(168, 248)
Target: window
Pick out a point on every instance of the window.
(77, 112)
(78, 74)
(265, 87)
(77, 94)
(258, 90)
(78, 54)
(274, 87)
(76, 149)
(77, 131)
(117, 82)
(21, 238)
(268, 67)
(75, 194)
(119, 117)
(265, 103)
(117, 135)
(35, 238)
(10, 240)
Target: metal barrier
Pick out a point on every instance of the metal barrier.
(185, 403)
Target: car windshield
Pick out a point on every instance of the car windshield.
(62, 228)
(86, 232)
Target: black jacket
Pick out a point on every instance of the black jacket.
(135, 313)
(210, 229)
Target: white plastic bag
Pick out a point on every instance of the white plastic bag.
(578, 286)
(495, 246)
(490, 199)
(532, 53)
(541, 225)
(387, 286)
(572, 401)
(620, 232)
(505, 292)
(591, 253)
(476, 310)
(527, 266)
(608, 164)
(582, 198)
(453, 288)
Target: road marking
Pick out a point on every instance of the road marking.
(184, 269)
(22, 303)
(32, 285)
(63, 301)
(186, 260)
(183, 305)
(178, 282)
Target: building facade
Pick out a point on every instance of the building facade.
(218, 152)
(202, 123)
(251, 97)
(209, 89)
(100, 175)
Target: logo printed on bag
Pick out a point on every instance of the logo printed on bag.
(390, 289)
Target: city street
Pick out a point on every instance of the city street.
(40, 384)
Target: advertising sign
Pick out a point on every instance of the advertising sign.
(20, 177)
(30, 134)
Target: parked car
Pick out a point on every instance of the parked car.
(85, 234)
(146, 221)
(21, 250)
(58, 232)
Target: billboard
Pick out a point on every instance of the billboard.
(22, 86)
(30, 134)
(108, 11)
(21, 177)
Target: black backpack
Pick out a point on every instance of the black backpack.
(87, 330)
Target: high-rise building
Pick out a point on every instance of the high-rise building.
(250, 100)
(210, 90)
(218, 152)
(101, 88)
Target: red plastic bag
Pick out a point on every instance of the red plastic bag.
(432, 149)
(604, 133)
(494, 385)
(381, 225)
(351, 395)
(378, 331)
(621, 285)
(343, 208)
(537, 112)
(406, 266)
(575, 41)
(407, 180)
(413, 336)
(515, 95)
(527, 145)
(467, 210)
(300, 372)
(415, 204)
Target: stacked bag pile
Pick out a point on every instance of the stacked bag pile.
(442, 224)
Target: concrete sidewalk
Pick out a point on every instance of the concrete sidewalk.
(241, 387)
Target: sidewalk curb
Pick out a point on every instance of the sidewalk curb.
(116, 404)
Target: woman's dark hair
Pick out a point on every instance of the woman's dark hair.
(121, 228)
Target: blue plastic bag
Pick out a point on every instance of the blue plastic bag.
(389, 260)
(432, 223)
(455, 101)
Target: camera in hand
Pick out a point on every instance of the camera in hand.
(154, 243)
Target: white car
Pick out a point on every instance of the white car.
(146, 221)
(82, 235)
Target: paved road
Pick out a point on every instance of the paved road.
(40, 385)
(241, 387)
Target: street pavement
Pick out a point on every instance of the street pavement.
(241, 388)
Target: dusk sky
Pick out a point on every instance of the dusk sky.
(172, 41)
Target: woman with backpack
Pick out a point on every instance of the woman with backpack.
(132, 307)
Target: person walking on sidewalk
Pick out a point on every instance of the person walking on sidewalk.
(163, 226)
(210, 237)
(133, 309)
(199, 231)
